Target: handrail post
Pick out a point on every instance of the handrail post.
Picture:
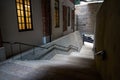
(11, 47)
(33, 50)
(20, 51)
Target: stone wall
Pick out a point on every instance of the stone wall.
(87, 17)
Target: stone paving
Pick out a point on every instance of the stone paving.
(85, 52)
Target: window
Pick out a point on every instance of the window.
(56, 13)
(24, 15)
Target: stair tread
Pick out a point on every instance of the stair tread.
(23, 72)
(85, 52)
(71, 58)
(43, 63)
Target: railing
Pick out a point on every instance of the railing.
(49, 48)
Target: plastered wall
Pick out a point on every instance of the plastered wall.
(108, 39)
(9, 26)
(58, 32)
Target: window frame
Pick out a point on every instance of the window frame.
(24, 13)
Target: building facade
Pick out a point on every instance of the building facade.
(35, 21)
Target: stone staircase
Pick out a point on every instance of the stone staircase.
(64, 45)
(76, 66)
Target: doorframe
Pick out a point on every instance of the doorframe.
(46, 19)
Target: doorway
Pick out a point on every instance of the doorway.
(46, 20)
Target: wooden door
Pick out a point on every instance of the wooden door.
(72, 20)
(64, 18)
(46, 17)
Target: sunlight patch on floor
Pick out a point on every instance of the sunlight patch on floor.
(87, 44)
(85, 52)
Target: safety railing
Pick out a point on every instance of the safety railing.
(48, 48)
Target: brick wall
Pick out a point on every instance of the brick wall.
(87, 17)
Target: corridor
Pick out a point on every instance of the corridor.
(29, 26)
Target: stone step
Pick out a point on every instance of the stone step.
(37, 63)
(85, 55)
(73, 59)
(46, 70)
(85, 52)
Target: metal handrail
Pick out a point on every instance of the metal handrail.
(23, 44)
(20, 47)
(52, 47)
(30, 45)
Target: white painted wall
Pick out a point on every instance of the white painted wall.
(58, 32)
(9, 26)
